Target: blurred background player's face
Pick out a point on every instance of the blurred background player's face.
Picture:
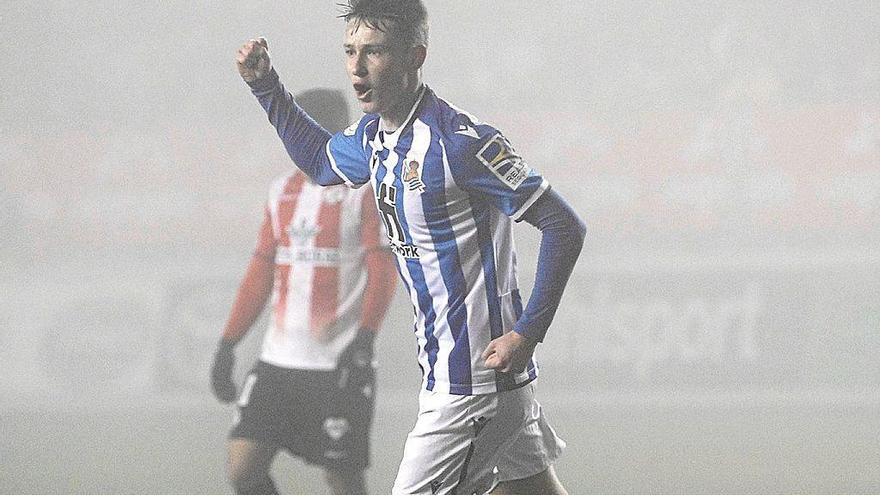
(379, 71)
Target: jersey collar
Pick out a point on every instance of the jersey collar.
(391, 137)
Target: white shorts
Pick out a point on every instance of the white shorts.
(463, 444)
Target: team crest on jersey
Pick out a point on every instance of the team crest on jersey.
(412, 175)
(302, 234)
(500, 157)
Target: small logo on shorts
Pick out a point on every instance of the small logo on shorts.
(479, 424)
(335, 428)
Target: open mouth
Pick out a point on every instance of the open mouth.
(362, 92)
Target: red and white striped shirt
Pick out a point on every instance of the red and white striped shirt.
(331, 272)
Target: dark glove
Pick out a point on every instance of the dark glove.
(355, 363)
(221, 372)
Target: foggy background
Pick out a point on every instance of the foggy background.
(720, 332)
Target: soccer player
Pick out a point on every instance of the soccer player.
(448, 187)
(321, 255)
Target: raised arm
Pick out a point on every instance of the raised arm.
(304, 140)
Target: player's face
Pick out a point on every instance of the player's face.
(381, 71)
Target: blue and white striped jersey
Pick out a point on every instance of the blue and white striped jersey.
(447, 188)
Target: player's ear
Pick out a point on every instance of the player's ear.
(417, 55)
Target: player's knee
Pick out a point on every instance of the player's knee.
(345, 482)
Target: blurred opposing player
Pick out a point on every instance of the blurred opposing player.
(321, 256)
(446, 186)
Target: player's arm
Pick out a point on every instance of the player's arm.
(492, 170)
(562, 237)
(304, 140)
(253, 292)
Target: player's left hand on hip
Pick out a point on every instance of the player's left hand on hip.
(509, 353)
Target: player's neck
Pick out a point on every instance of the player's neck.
(397, 117)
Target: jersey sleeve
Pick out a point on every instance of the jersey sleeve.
(266, 241)
(562, 237)
(256, 286)
(486, 165)
(307, 143)
(348, 152)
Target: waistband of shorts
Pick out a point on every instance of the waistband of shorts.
(294, 372)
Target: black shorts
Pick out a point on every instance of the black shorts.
(306, 413)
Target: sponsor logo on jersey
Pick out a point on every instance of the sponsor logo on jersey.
(405, 250)
(412, 175)
(317, 256)
(500, 157)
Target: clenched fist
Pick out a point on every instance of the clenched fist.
(253, 60)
